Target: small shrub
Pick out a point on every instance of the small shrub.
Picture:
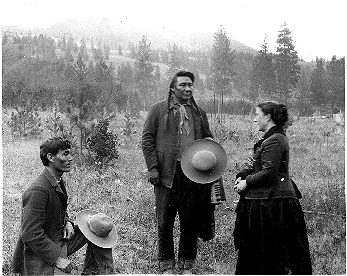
(103, 144)
(56, 126)
(222, 133)
(129, 124)
(25, 121)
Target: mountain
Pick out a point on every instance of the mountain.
(117, 33)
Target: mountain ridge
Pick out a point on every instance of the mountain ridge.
(120, 33)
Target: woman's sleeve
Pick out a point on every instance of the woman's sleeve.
(246, 169)
(271, 156)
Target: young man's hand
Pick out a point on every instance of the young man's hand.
(63, 264)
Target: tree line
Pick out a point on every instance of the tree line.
(282, 76)
(38, 70)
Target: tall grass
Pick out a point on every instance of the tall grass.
(122, 191)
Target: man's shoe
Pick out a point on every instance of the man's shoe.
(169, 271)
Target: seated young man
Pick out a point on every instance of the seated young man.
(47, 235)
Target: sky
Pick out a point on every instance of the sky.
(318, 27)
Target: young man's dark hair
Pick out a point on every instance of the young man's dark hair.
(53, 146)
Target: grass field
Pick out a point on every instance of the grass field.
(122, 192)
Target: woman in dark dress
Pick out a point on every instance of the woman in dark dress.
(270, 230)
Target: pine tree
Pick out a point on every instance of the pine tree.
(336, 82)
(120, 53)
(83, 50)
(68, 50)
(132, 50)
(263, 80)
(222, 65)
(125, 75)
(63, 44)
(98, 52)
(144, 71)
(92, 46)
(318, 84)
(300, 97)
(107, 51)
(157, 73)
(243, 66)
(287, 64)
(174, 61)
(4, 39)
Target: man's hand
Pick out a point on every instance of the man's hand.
(63, 264)
(153, 176)
(68, 230)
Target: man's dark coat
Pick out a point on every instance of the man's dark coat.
(44, 215)
(161, 149)
(161, 140)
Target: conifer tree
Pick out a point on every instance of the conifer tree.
(222, 65)
(125, 75)
(68, 50)
(107, 51)
(120, 52)
(336, 83)
(174, 61)
(318, 84)
(83, 50)
(263, 80)
(63, 44)
(300, 97)
(132, 50)
(144, 71)
(287, 64)
(157, 73)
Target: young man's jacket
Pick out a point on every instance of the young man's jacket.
(44, 215)
(161, 139)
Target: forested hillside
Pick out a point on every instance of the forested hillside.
(110, 71)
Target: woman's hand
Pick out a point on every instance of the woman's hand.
(240, 185)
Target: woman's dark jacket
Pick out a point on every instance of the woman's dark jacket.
(268, 177)
(161, 139)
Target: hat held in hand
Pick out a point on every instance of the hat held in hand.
(98, 228)
(204, 161)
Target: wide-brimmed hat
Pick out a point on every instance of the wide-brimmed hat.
(97, 228)
(204, 161)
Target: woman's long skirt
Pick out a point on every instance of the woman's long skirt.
(271, 237)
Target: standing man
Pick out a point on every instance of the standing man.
(47, 235)
(170, 127)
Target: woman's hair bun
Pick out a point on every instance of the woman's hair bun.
(280, 115)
